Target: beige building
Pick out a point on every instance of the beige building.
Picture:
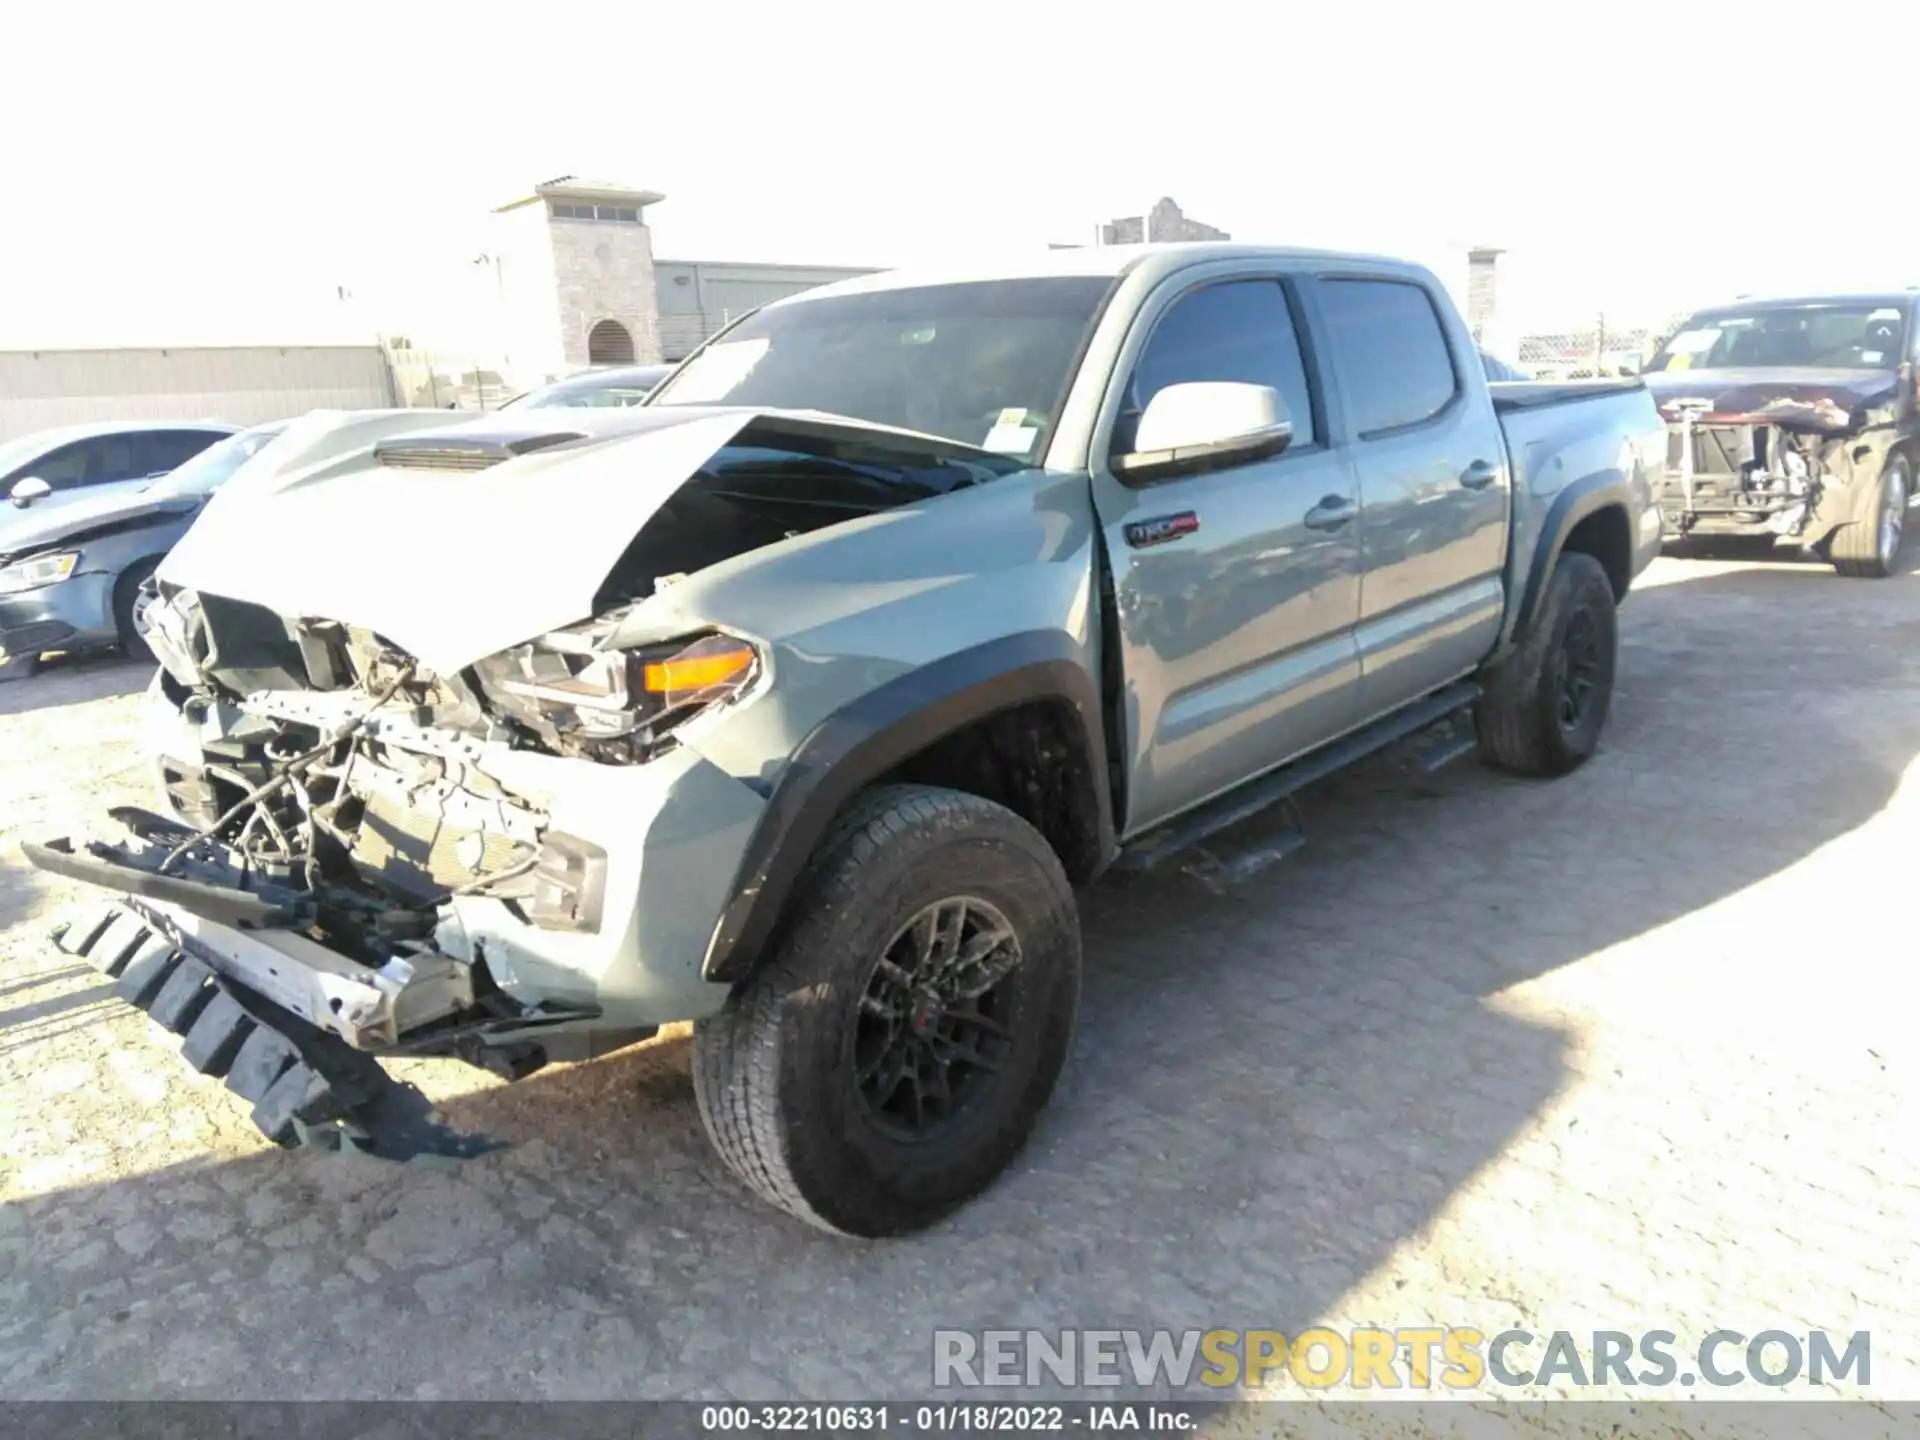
(699, 298)
(1166, 221)
(578, 285)
(573, 264)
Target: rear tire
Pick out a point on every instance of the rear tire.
(1869, 549)
(1545, 705)
(853, 1080)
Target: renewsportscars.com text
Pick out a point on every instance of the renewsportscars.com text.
(1406, 1358)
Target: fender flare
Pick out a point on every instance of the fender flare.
(872, 735)
(1576, 501)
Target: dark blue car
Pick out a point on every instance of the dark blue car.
(71, 573)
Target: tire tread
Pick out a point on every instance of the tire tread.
(736, 1053)
(1515, 731)
(1855, 551)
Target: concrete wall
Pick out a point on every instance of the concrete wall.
(243, 385)
(697, 298)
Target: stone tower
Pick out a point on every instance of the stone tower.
(1166, 221)
(573, 264)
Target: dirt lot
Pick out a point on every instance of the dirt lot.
(1627, 1051)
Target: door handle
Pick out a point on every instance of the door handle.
(1479, 475)
(1331, 513)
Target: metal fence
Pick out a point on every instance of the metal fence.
(1598, 349)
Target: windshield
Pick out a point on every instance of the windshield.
(985, 363)
(1845, 337)
(213, 466)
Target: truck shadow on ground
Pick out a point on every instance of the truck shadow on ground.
(72, 679)
(1270, 1092)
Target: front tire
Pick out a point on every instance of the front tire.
(890, 1056)
(1545, 705)
(1869, 549)
(128, 604)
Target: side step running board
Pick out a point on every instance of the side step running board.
(1248, 800)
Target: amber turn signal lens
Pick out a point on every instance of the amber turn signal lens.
(688, 674)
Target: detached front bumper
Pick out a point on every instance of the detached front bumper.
(235, 962)
(668, 838)
(305, 1085)
(67, 615)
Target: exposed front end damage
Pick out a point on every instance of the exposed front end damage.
(354, 857)
(1790, 462)
(420, 797)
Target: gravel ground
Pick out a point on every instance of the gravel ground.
(1630, 1050)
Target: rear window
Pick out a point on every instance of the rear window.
(1389, 351)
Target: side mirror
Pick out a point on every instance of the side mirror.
(26, 491)
(1632, 363)
(1206, 425)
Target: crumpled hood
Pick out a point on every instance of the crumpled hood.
(22, 532)
(455, 564)
(451, 565)
(1817, 399)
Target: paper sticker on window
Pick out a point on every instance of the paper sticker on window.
(1692, 342)
(1871, 357)
(1014, 415)
(1006, 439)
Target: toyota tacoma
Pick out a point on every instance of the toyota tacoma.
(797, 701)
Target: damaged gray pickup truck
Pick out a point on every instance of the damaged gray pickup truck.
(1794, 422)
(796, 701)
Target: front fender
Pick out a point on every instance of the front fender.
(864, 740)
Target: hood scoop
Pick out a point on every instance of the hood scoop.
(466, 451)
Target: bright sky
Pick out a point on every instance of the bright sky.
(202, 172)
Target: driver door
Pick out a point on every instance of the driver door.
(1237, 589)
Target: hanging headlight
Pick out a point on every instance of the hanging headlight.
(576, 696)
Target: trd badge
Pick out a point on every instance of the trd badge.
(1162, 528)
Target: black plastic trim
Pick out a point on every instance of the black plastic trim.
(856, 745)
(1580, 498)
(1265, 791)
(228, 907)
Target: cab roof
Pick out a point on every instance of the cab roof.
(1089, 261)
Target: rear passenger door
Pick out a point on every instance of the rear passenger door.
(1434, 497)
(1236, 589)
